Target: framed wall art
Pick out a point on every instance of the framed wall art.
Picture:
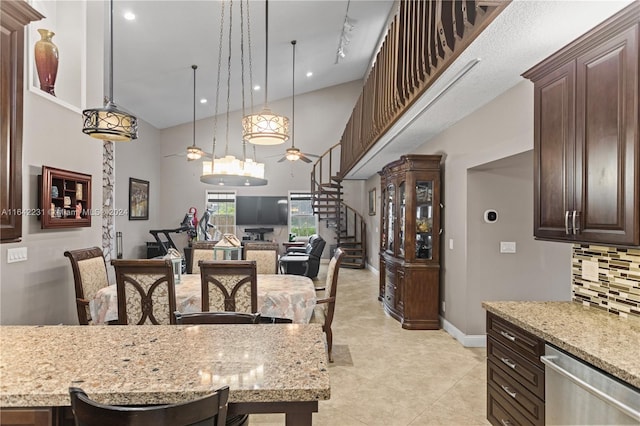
(372, 202)
(138, 199)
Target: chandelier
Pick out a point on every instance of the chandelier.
(265, 127)
(109, 123)
(229, 170)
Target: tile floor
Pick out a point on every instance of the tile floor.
(386, 376)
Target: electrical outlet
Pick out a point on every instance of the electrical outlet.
(450, 243)
(589, 270)
(507, 247)
(443, 306)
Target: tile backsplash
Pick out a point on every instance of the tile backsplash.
(617, 289)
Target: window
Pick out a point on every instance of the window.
(302, 221)
(222, 209)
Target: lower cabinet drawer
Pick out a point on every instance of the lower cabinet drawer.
(500, 412)
(529, 405)
(516, 366)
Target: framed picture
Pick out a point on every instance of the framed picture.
(372, 202)
(138, 199)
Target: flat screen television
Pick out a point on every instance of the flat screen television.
(261, 210)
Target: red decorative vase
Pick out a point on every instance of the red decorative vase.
(46, 55)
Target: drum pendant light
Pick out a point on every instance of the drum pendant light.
(109, 123)
(266, 127)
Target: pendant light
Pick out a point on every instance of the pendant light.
(266, 127)
(109, 123)
(228, 170)
(293, 153)
(193, 152)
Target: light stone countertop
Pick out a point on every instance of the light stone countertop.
(155, 364)
(605, 340)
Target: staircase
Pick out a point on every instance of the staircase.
(348, 225)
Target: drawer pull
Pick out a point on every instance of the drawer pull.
(508, 363)
(508, 391)
(505, 422)
(508, 336)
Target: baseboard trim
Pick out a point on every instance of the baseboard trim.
(372, 269)
(467, 340)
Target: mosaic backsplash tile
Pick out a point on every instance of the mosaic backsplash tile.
(618, 287)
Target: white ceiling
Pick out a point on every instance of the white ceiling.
(153, 56)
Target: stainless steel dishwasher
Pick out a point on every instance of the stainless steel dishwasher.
(577, 393)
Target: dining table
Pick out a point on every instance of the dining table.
(279, 295)
(269, 368)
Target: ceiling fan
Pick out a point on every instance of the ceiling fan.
(193, 152)
(293, 153)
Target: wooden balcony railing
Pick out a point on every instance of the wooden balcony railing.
(423, 39)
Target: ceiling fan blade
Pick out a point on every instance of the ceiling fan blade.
(282, 159)
(304, 158)
(179, 154)
(312, 155)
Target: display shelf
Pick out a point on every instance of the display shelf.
(65, 199)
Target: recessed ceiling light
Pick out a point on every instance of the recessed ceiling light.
(129, 16)
(203, 100)
(256, 87)
(309, 74)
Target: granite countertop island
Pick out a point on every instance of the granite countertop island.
(605, 340)
(158, 364)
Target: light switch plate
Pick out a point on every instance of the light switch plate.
(589, 270)
(507, 246)
(18, 254)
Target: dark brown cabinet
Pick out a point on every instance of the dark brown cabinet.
(14, 15)
(515, 375)
(65, 199)
(410, 241)
(587, 136)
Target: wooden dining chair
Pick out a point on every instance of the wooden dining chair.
(265, 255)
(325, 307)
(208, 410)
(216, 318)
(201, 250)
(146, 291)
(89, 276)
(229, 285)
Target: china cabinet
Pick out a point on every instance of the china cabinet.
(587, 136)
(410, 240)
(65, 199)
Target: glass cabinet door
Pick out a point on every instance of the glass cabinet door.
(402, 199)
(424, 219)
(383, 213)
(391, 193)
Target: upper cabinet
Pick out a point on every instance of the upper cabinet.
(587, 138)
(14, 15)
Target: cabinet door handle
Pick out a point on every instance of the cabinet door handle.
(508, 391)
(576, 224)
(508, 363)
(566, 222)
(508, 336)
(505, 422)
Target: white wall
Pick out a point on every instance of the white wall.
(40, 290)
(539, 270)
(139, 159)
(502, 128)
